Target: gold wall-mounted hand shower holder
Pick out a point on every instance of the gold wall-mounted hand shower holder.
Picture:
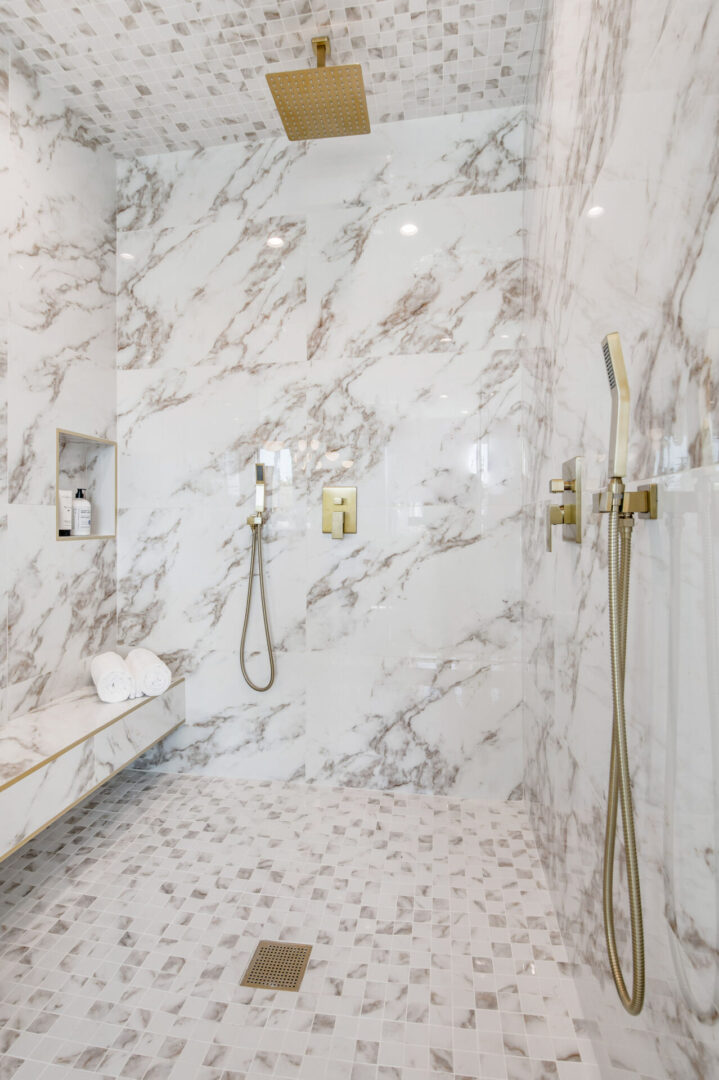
(643, 502)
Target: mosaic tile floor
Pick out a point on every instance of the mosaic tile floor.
(125, 930)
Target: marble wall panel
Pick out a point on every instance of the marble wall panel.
(467, 154)
(623, 122)
(4, 331)
(306, 356)
(57, 369)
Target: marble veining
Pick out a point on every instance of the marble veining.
(57, 369)
(623, 121)
(435, 949)
(85, 753)
(399, 162)
(29, 740)
(348, 352)
(153, 79)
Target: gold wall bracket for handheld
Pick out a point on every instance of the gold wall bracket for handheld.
(569, 513)
(644, 502)
(339, 511)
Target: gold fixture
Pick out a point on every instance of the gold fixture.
(277, 965)
(256, 521)
(322, 102)
(569, 513)
(644, 502)
(339, 511)
(619, 561)
(322, 49)
(619, 387)
(621, 505)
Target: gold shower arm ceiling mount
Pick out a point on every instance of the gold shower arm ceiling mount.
(321, 48)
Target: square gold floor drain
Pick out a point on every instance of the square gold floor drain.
(277, 965)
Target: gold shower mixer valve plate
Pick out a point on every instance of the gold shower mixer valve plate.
(568, 514)
(339, 511)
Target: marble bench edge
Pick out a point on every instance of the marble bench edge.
(138, 704)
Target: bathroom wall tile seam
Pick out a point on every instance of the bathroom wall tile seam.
(356, 615)
(634, 152)
(58, 321)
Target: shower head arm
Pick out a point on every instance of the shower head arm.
(321, 46)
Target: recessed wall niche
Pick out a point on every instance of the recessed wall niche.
(85, 461)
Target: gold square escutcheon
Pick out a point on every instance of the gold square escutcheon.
(347, 506)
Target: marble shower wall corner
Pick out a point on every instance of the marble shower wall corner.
(376, 343)
(57, 369)
(4, 332)
(623, 122)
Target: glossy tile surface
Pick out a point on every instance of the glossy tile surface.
(128, 926)
(374, 344)
(635, 148)
(57, 369)
(86, 754)
(185, 76)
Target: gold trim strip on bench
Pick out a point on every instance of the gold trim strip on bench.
(87, 794)
(90, 734)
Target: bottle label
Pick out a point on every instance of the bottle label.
(81, 519)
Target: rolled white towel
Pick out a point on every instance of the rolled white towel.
(112, 677)
(151, 676)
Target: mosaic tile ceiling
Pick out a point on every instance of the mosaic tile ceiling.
(155, 75)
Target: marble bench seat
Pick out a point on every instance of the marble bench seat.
(54, 756)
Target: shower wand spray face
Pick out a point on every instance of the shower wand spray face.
(619, 385)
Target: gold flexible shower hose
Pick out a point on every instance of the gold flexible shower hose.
(257, 550)
(619, 561)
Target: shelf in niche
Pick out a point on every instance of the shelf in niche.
(87, 461)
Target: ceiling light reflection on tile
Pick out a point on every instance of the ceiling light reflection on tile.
(595, 211)
(409, 229)
(275, 242)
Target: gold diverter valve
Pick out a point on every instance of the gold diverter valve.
(569, 513)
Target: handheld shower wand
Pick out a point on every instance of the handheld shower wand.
(619, 385)
(255, 521)
(620, 525)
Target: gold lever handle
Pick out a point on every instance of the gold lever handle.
(555, 516)
(558, 487)
(559, 515)
(338, 524)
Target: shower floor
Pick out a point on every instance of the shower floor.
(126, 928)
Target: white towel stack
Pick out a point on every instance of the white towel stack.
(142, 674)
(112, 677)
(151, 676)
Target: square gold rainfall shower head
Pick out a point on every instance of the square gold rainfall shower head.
(322, 102)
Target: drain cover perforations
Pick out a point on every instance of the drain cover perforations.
(277, 965)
